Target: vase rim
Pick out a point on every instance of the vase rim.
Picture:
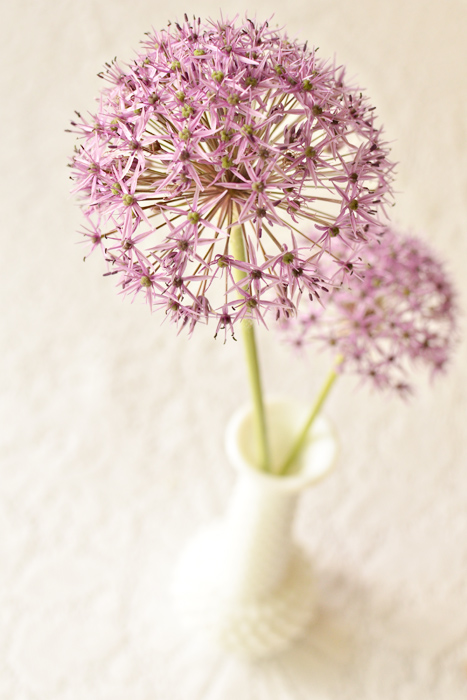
(318, 457)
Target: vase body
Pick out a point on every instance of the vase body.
(243, 582)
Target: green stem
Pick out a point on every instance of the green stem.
(237, 248)
(302, 436)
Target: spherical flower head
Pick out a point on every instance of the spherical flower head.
(222, 124)
(400, 309)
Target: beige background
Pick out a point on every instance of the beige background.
(112, 426)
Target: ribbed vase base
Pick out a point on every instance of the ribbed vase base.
(248, 625)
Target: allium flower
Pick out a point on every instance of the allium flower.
(219, 124)
(400, 308)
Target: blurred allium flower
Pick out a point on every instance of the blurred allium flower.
(400, 308)
(215, 124)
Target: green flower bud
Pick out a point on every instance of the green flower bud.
(218, 76)
(145, 281)
(128, 199)
(307, 86)
(184, 134)
(194, 217)
(288, 258)
(187, 111)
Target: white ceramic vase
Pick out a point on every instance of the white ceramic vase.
(243, 582)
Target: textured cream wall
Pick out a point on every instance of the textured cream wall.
(111, 426)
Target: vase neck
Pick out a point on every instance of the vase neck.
(258, 530)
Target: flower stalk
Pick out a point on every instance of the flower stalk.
(299, 443)
(237, 248)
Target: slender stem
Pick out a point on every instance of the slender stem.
(302, 436)
(237, 248)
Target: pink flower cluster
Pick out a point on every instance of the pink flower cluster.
(399, 309)
(218, 124)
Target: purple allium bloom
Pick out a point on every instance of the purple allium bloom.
(219, 123)
(400, 308)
